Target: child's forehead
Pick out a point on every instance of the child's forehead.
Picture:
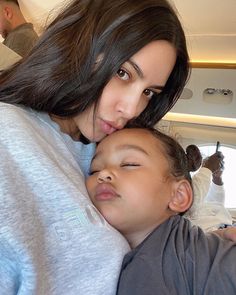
(128, 138)
(128, 135)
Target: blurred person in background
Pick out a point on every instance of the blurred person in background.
(208, 210)
(18, 34)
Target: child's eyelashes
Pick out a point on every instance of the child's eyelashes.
(130, 165)
(92, 172)
(122, 165)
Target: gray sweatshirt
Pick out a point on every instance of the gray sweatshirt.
(52, 239)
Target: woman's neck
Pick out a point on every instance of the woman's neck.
(68, 126)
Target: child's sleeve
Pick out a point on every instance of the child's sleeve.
(210, 263)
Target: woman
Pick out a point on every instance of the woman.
(99, 65)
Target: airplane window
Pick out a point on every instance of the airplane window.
(229, 171)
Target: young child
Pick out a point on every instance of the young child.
(141, 184)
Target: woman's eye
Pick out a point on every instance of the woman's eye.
(149, 93)
(123, 74)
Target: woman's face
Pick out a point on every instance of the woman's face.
(129, 91)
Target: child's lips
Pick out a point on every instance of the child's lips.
(105, 192)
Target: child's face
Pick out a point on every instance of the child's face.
(129, 183)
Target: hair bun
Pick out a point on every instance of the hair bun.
(194, 157)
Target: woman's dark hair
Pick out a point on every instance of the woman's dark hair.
(85, 46)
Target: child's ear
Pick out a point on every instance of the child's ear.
(8, 12)
(182, 196)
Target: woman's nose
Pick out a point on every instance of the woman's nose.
(129, 106)
(104, 176)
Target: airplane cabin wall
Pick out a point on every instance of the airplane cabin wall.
(187, 133)
(218, 104)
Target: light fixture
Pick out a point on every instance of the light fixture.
(186, 94)
(218, 95)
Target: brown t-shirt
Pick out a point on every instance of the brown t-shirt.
(21, 39)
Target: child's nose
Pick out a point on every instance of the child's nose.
(104, 176)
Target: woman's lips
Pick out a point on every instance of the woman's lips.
(105, 192)
(108, 127)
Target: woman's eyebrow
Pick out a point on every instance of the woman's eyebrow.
(141, 75)
(136, 68)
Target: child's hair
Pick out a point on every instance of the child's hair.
(175, 154)
(59, 75)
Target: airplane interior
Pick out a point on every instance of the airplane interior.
(206, 110)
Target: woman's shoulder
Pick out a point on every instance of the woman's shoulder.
(7, 106)
(20, 116)
(8, 112)
(20, 123)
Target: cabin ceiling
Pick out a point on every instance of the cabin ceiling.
(210, 25)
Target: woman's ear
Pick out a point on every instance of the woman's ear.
(182, 197)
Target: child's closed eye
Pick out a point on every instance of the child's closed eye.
(130, 164)
(91, 172)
